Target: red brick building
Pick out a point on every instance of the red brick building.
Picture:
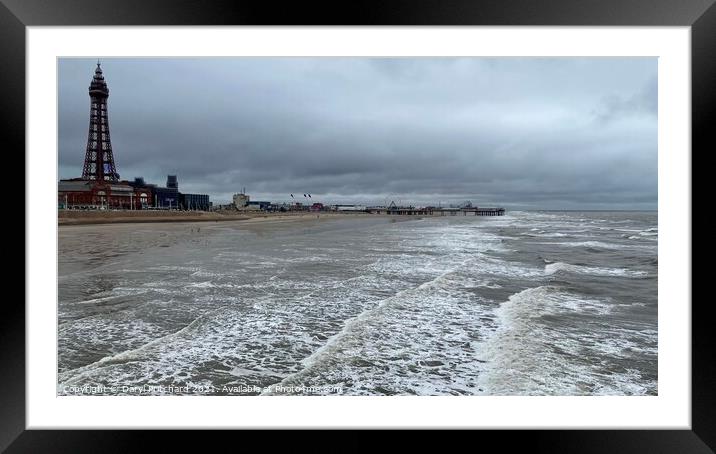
(87, 194)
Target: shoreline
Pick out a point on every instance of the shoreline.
(122, 217)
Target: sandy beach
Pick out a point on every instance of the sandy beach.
(73, 217)
(133, 234)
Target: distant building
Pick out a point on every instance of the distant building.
(169, 197)
(166, 198)
(144, 193)
(317, 207)
(87, 194)
(264, 206)
(194, 202)
(77, 193)
(349, 208)
(241, 200)
(298, 206)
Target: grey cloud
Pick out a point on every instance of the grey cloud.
(614, 107)
(519, 132)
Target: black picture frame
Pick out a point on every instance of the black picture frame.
(700, 15)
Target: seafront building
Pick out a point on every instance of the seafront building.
(241, 200)
(100, 187)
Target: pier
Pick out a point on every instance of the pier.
(435, 211)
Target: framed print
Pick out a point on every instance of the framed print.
(396, 216)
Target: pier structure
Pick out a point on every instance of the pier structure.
(436, 211)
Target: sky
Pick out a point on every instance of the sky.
(522, 133)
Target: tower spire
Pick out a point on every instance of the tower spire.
(99, 160)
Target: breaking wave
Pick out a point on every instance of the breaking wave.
(557, 267)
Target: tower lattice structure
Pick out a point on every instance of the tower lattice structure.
(99, 160)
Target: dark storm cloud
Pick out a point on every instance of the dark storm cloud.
(520, 132)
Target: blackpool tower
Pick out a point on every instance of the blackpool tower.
(99, 161)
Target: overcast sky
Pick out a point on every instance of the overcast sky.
(543, 133)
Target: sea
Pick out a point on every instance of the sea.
(530, 303)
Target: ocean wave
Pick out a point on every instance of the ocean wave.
(543, 234)
(643, 238)
(70, 376)
(207, 284)
(550, 300)
(552, 268)
(332, 345)
(590, 244)
(114, 294)
(527, 355)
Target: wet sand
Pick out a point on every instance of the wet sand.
(121, 217)
(78, 241)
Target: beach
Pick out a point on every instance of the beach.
(81, 217)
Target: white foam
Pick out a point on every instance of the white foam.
(128, 355)
(242, 372)
(528, 355)
(545, 300)
(95, 300)
(543, 234)
(552, 268)
(207, 284)
(332, 343)
(590, 244)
